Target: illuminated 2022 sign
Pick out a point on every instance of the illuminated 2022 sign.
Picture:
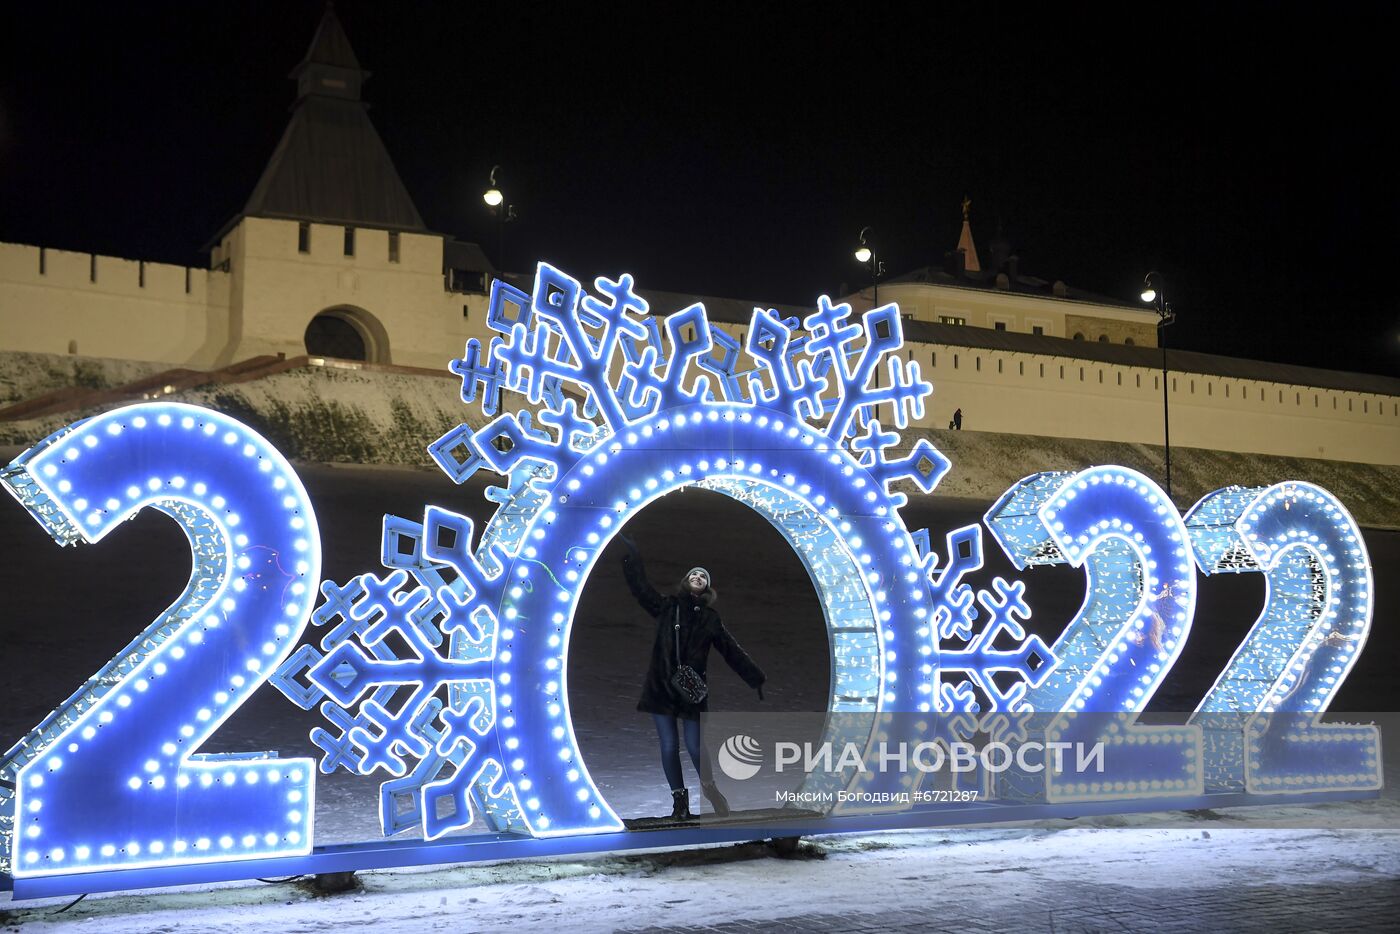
(470, 715)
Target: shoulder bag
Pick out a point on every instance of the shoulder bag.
(686, 681)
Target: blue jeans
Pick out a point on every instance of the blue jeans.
(667, 733)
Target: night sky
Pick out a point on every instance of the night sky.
(737, 149)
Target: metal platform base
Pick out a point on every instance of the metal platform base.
(486, 847)
(763, 816)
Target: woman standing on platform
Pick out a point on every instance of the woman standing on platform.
(687, 627)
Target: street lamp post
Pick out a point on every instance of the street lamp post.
(865, 255)
(1155, 295)
(504, 213)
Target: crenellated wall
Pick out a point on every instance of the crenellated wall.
(1074, 398)
(400, 306)
(258, 298)
(56, 301)
(264, 291)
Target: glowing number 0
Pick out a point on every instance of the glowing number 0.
(110, 779)
(1315, 620)
(1137, 612)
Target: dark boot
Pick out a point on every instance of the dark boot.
(716, 799)
(680, 805)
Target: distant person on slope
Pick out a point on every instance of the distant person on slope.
(687, 626)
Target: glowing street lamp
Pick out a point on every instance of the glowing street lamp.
(1153, 294)
(865, 255)
(495, 199)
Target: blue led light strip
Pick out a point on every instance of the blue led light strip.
(1138, 607)
(1261, 716)
(111, 779)
(663, 407)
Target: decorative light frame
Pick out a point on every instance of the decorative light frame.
(475, 716)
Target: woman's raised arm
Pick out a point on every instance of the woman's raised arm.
(635, 573)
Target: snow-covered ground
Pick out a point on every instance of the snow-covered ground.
(990, 874)
(102, 595)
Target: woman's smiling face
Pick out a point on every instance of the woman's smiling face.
(697, 581)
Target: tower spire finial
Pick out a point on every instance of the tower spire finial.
(965, 244)
(330, 68)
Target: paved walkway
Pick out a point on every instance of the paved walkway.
(1028, 879)
(1090, 909)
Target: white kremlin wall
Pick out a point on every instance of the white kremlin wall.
(58, 302)
(111, 307)
(1067, 397)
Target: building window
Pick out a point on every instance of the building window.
(955, 361)
(43, 262)
(466, 312)
(349, 241)
(1100, 377)
(998, 366)
(187, 280)
(1062, 371)
(999, 326)
(303, 237)
(1037, 329)
(978, 362)
(950, 319)
(1103, 338)
(933, 358)
(141, 274)
(1021, 368)
(1079, 335)
(1120, 379)
(92, 267)
(1042, 371)
(393, 246)
(463, 280)
(1081, 374)
(1210, 389)
(1128, 342)
(1227, 390)
(1138, 378)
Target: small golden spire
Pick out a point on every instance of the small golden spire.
(967, 207)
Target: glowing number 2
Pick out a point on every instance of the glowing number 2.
(1138, 610)
(1316, 616)
(110, 779)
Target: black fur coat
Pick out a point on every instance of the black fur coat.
(700, 630)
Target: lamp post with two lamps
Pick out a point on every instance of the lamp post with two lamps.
(1153, 294)
(865, 255)
(504, 213)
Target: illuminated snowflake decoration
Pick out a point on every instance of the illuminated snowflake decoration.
(448, 673)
